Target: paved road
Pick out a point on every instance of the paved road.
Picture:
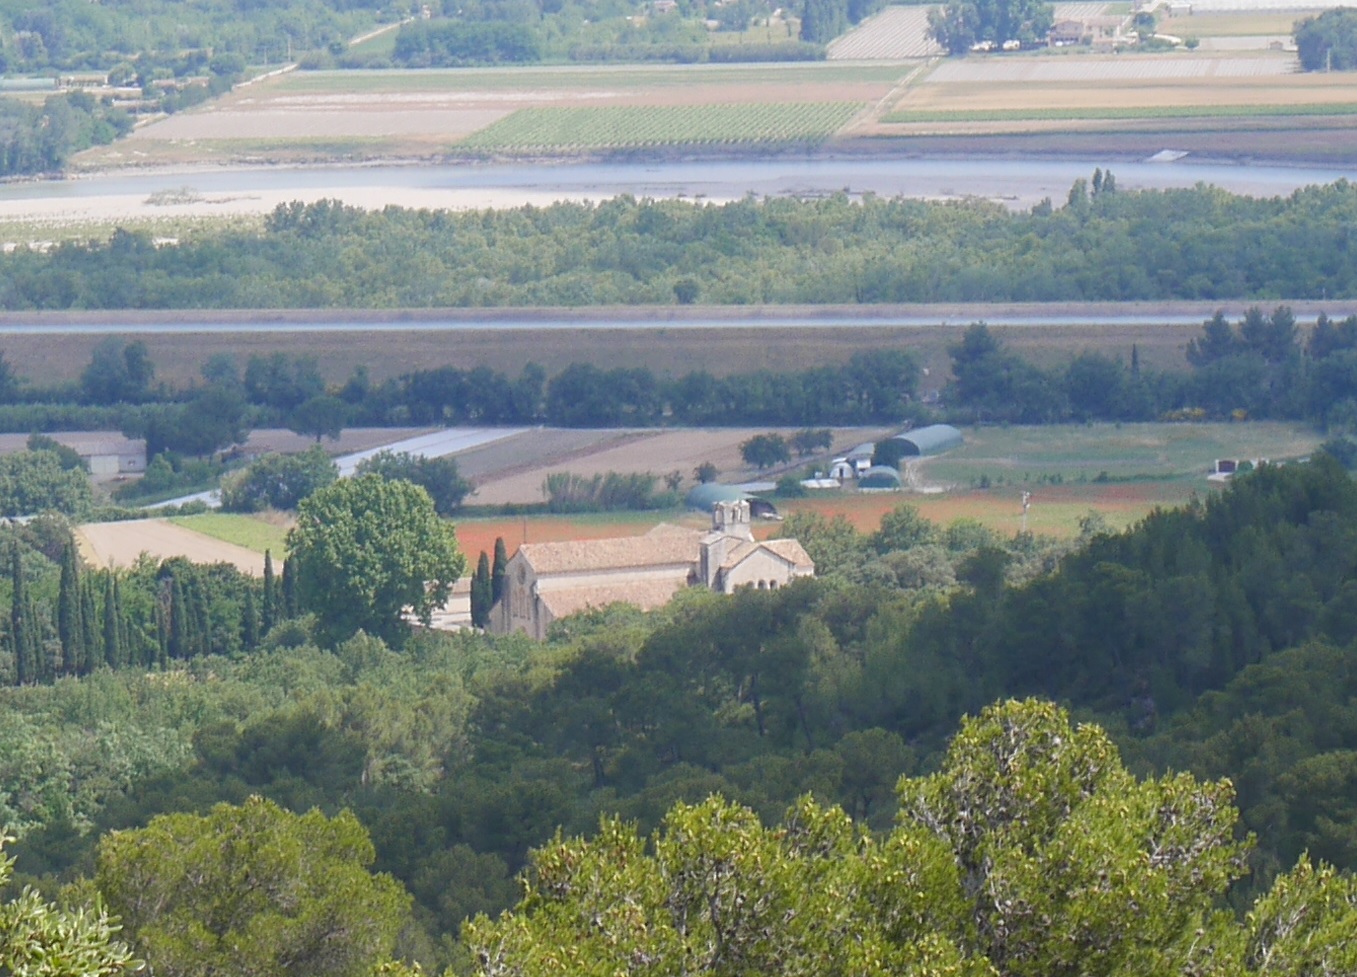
(621, 318)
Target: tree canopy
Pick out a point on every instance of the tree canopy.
(1328, 42)
(366, 549)
(252, 890)
(1032, 851)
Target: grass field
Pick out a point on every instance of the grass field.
(627, 128)
(258, 533)
(1067, 455)
(1242, 23)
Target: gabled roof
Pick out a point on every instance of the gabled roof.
(674, 545)
(792, 551)
(646, 594)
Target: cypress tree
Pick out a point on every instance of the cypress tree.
(270, 585)
(480, 593)
(500, 568)
(130, 649)
(113, 651)
(249, 624)
(179, 623)
(18, 621)
(70, 628)
(202, 630)
(41, 650)
(289, 587)
(89, 628)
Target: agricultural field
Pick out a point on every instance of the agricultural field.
(581, 129)
(258, 533)
(894, 34)
(667, 348)
(120, 544)
(1147, 466)
(1082, 91)
(418, 114)
(1039, 457)
(655, 451)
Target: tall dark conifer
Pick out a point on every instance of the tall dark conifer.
(113, 651)
(497, 572)
(89, 625)
(289, 601)
(70, 628)
(180, 626)
(20, 627)
(480, 592)
(249, 622)
(269, 608)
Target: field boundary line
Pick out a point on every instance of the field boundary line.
(872, 115)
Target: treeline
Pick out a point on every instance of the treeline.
(67, 620)
(39, 138)
(1328, 42)
(147, 38)
(118, 389)
(1199, 243)
(1258, 367)
(531, 31)
(1218, 638)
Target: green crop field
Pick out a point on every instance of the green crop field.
(252, 532)
(1065, 454)
(637, 127)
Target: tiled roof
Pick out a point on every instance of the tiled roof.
(586, 555)
(645, 594)
(792, 551)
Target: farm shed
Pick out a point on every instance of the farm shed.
(931, 440)
(704, 498)
(880, 478)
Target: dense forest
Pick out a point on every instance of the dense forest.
(145, 38)
(1108, 244)
(1216, 639)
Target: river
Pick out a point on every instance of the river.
(1017, 182)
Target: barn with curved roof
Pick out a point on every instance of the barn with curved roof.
(705, 496)
(931, 440)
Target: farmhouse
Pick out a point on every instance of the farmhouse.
(544, 582)
(1066, 33)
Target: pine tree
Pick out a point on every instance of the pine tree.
(497, 572)
(270, 595)
(113, 652)
(19, 625)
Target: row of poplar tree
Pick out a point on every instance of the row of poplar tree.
(144, 617)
